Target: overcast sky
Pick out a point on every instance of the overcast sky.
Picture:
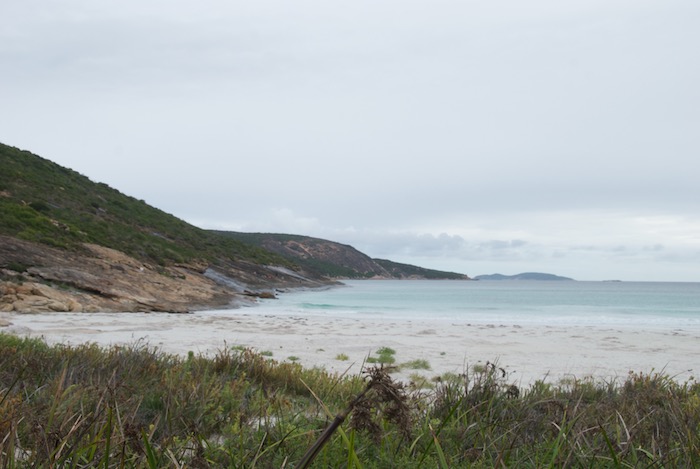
(474, 136)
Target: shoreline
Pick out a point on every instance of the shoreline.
(527, 352)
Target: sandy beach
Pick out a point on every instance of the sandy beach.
(526, 352)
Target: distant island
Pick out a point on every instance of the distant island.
(523, 276)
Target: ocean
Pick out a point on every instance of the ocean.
(642, 304)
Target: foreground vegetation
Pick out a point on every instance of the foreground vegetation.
(134, 406)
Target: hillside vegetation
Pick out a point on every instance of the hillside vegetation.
(400, 270)
(336, 260)
(43, 202)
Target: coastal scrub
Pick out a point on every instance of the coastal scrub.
(135, 406)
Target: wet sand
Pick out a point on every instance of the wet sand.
(527, 352)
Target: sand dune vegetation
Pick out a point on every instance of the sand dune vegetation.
(135, 406)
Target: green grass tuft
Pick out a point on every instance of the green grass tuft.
(418, 364)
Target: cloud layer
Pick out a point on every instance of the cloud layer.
(476, 136)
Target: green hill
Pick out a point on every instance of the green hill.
(43, 202)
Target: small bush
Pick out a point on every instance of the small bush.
(17, 267)
(386, 351)
(382, 359)
(418, 364)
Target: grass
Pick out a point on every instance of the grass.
(418, 381)
(385, 356)
(418, 364)
(134, 406)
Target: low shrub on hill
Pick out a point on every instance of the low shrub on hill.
(43, 202)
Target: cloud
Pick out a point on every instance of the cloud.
(452, 133)
(278, 220)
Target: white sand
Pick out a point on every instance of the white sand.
(527, 352)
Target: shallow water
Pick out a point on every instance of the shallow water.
(529, 302)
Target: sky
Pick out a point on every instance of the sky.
(472, 136)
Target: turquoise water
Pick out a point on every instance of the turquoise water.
(540, 302)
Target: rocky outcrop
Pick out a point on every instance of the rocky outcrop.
(36, 297)
(37, 278)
